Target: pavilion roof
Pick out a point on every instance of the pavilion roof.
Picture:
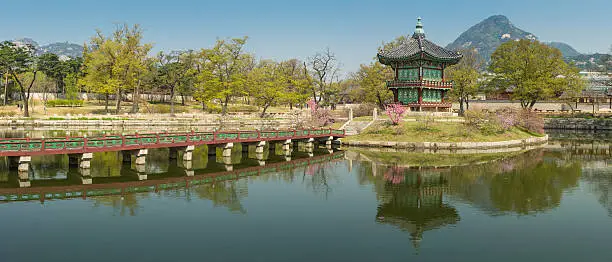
(417, 46)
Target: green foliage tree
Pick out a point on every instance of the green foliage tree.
(370, 84)
(268, 82)
(175, 71)
(114, 64)
(533, 70)
(16, 61)
(465, 76)
(223, 72)
(52, 67)
(296, 91)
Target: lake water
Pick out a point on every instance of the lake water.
(547, 204)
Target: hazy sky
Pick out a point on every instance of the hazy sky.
(286, 29)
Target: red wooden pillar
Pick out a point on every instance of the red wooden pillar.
(396, 95)
(420, 95)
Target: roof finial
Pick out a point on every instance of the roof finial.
(419, 27)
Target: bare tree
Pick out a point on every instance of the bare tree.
(325, 69)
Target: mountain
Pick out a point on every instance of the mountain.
(567, 50)
(489, 34)
(23, 42)
(62, 49)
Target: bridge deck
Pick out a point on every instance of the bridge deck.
(76, 145)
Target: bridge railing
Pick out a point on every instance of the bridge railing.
(144, 140)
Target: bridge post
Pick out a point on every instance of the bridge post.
(227, 149)
(85, 168)
(141, 171)
(23, 171)
(259, 149)
(187, 160)
(227, 161)
(188, 155)
(310, 147)
(141, 156)
(310, 144)
(328, 142)
(188, 165)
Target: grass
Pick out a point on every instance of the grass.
(431, 159)
(433, 132)
(337, 125)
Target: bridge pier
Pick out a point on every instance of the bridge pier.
(188, 155)
(141, 172)
(188, 165)
(227, 149)
(141, 156)
(259, 148)
(139, 162)
(227, 161)
(23, 171)
(310, 144)
(85, 168)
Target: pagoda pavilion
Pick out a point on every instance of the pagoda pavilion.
(419, 72)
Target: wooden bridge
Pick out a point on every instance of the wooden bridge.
(119, 188)
(79, 145)
(135, 146)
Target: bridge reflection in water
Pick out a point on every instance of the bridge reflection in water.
(121, 185)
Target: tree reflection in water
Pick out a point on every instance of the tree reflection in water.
(227, 194)
(122, 204)
(416, 198)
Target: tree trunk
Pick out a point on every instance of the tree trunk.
(106, 98)
(118, 105)
(461, 110)
(467, 104)
(263, 113)
(224, 106)
(172, 101)
(182, 99)
(203, 107)
(135, 98)
(24, 99)
(6, 89)
(532, 104)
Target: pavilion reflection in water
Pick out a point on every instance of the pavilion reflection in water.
(412, 200)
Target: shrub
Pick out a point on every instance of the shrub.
(165, 109)
(7, 113)
(425, 123)
(395, 113)
(243, 108)
(531, 121)
(487, 123)
(503, 120)
(322, 117)
(363, 110)
(65, 102)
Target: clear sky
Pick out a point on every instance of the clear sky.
(286, 29)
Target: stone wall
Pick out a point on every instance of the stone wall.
(578, 124)
(520, 143)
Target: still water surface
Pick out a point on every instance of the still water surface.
(550, 204)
